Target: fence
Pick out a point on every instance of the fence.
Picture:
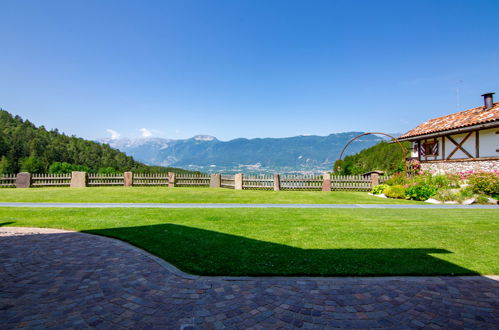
(227, 181)
(326, 182)
(351, 182)
(383, 179)
(7, 181)
(45, 180)
(106, 179)
(296, 182)
(258, 182)
(142, 179)
(192, 180)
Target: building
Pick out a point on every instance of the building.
(463, 141)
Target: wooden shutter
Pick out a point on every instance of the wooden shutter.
(435, 148)
(422, 149)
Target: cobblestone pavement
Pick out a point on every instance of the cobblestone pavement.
(58, 279)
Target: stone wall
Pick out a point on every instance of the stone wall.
(461, 166)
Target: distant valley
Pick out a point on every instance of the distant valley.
(298, 154)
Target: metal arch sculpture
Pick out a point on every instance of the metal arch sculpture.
(404, 150)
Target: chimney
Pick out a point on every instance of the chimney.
(488, 100)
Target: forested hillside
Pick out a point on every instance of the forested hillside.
(25, 147)
(383, 156)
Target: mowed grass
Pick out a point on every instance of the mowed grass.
(187, 195)
(297, 242)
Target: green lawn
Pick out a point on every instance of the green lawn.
(187, 195)
(292, 241)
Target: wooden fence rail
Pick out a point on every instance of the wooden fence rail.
(324, 182)
(383, 179)
(351, 182)
(258, 182)
(192, 180)
(143, 179)
(7, 180)
(47, 180)
(106, 179)
(301, 182)
(227, 181)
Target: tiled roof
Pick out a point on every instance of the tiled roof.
(461, 119)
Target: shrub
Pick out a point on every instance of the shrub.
(397, 179)
(466, 192)
(439, 181)
(420, 192)
(422, 178)
(484, 183)
(448, 195)
(454, 180)
(396, 191)
(458, 195)
(482, 199)
(61, 168)
(379, 189)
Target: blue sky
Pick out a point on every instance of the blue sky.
(244, 68)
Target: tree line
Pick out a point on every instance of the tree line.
(27, 148)
(383, 156)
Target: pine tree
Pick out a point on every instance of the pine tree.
(25, 147)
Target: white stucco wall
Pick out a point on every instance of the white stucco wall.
(489, 143)
(439, 141)
(469, 146)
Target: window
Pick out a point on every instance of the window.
(430, 148)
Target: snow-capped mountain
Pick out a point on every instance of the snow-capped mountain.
(306, 154)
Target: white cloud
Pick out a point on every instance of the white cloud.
(114, 135)
(145, 132)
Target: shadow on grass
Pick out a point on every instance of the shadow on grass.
(206, 252)
(6, 223)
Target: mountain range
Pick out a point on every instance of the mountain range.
(299, 154)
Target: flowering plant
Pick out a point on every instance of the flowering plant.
(464, 175)
(414, 167)
(485, 182)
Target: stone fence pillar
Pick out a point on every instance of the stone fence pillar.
(374, 179)
(326, 182)
(128, 179)
(238, 181)
(277, 182)
(78, 179)
(23, 180)
(172, 179)
(215, 181)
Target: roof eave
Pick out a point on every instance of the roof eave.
(452, 131)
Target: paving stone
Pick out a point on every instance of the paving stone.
(84, 281)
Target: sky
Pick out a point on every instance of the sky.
(237, 68)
